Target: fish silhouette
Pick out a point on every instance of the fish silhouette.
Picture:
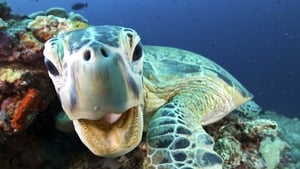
(79, 6)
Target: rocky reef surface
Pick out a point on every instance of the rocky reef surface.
(29, 139)
(25, 89)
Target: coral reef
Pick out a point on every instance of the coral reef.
(289, 131)
(5, 11)
(29, 108)
(25, 89)
(238, 140)
(271, 150)
(230, 149)
(25, 112)
(44, 27)
(59, 12)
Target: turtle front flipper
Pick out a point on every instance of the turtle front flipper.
(176, 139)
(250, 109)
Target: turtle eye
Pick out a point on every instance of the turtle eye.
(51, 68)
(138, 52)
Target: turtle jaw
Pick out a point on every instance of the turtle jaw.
(110, 139)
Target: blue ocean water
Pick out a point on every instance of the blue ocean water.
(257, 41)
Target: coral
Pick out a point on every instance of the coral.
(25, 88)
(261, 127)
(4, 10)
(24, 92)
(9, 75)
(238, 140)
(3, 24)
(19, 46)
(27, 109)
(56, 11)
(77, 17)
(271, 150)
(45, 27)
(21, 68)
(30, 44)
(230, 150)
(288, 130)
(36, 14)
(6, 46)
(54, 21)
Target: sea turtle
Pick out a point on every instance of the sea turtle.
(113, 88)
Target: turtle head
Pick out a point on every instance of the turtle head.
(97, 74)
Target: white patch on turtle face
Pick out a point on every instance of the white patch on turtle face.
(96, 78)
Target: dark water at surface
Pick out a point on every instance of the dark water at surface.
(257, 41)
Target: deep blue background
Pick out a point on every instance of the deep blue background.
(258, 41)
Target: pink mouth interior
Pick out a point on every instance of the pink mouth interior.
(112, 117)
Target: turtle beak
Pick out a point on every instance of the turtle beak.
(112, 135)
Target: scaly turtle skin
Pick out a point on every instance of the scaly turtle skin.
(110, 85)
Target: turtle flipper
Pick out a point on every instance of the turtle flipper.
(250, 109)
(175, 142)
(63, 123)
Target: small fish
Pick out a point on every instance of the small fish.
(79, 6)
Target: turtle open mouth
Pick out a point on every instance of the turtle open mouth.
(113, 134)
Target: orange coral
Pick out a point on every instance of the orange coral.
(30, 104)
(30, 42)
(43, 35)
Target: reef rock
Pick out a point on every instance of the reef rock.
(44, 27)
(25, 89)
(239, 138)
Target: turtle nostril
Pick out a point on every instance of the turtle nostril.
(87, 55)
(103, 52)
